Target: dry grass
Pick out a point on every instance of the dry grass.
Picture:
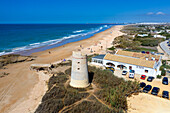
(110, 95)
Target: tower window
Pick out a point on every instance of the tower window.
(78, 62)
(78, 68)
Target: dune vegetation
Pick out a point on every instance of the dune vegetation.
(107, 93)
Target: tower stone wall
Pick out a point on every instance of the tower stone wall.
(79, 71)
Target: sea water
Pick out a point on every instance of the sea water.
(23, 38)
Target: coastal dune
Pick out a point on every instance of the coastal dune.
(18, 90)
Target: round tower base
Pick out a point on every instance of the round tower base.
(79, 83)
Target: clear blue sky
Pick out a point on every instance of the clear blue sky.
(84, 11)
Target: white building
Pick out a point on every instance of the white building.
(142, 35)
(168, 31)
(159, 36)
(141, 63)
(161, 31)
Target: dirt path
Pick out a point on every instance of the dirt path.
(91, 93)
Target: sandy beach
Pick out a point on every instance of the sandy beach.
(21, 91)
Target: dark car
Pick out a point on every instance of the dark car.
(165, 81)
(155, 91)
(168, 71)
(150, 79)
(165, 94)
(142, 84)
(147, 88)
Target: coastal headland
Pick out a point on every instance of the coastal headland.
(22, 89)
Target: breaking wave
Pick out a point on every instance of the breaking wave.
(55, 41)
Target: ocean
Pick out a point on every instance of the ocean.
(28, 38)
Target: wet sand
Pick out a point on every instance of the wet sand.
(18, 89)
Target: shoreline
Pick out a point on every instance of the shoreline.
(28, 80)
(103, 39)
(61, 41)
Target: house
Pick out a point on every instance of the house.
(141, 63)
(161, 31)
(159, 36)
(142, 35)
(168, 31)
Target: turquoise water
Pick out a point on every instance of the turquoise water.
(16, 38)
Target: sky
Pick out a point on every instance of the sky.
(84, 11)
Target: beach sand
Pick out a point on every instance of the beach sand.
(147, 103)
(21, 91)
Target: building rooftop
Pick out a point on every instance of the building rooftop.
(130, 60)
(100, 56)
(138, 55)
(41, 65)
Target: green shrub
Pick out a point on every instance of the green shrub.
(159, 76)
(163, 62)
(112, 48)
(163, 72)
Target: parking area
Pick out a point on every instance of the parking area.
(155, 83)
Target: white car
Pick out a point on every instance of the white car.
(124, 72)
(131, 74)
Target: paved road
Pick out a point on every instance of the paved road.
(165, 47)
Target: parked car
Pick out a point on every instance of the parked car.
(165, 94)
(143, 77)
(150, 79)
(153, 53)
(147, 88)
(142, 51)
(131, 73)
(111, 69)
(124, 72)
(155, 91)
(168, 71)
(165, 81)
(147, 52)
(142, 84)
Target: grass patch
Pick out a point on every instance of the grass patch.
(146, 49)
(141, 49)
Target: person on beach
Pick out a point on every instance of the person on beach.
(91, 51)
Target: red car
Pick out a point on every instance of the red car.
(143, 77)
(147, 52)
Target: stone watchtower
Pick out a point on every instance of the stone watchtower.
(79, 71)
